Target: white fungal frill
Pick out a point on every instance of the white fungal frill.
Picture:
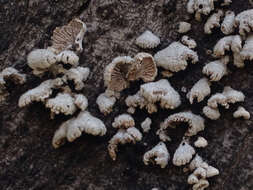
(227, 26)
(195, 122)
(201, 142)
(244, 21)
(41, 92)
(13, 75)
(69, 37)
(68, 57)
(201, 185)
(241, 112)
(81, 101)
(217, 99)
(211, 113)
(200, 7)
(247, 50)
(105, 103)
(115, 74)
(183, 154)
(158, 155)
(147, 40)
(161, 91)
(174, 58)
(197, 162)
(189, 42)
(40, 60)
(78, 75)
(200, 90)
(233, 96)
(184, 27)
(216, 69)
(163, 135)
(127, 133)
(145, 125)
(213, 21)
(227, 43)
(73, 128)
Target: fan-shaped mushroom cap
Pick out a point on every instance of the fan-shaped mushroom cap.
(241, 112)
(115, 74)
(69, 36)
(147, 40)
(123, 121)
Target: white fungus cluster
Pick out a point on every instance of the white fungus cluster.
(147, 40)
(174, 58)
(200, 7)
(13, 75)
(72, 129)
(200, 172)
(157, 155)
(213, 21)
(196, 123)
(153, 92)
(241, 112)
(127, 133)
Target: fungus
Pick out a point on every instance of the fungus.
(115, 75)
(145, 125)
(131, 110)
(195, 122)
(144, 68)
(244, 21)
(73, 128)
(247, 52)
(105, 103)
(41, 92)
(241, 112)
(192, 179)
(211, 113)
(197, 162)
(40, 60)
(69, 37)
(216, 69)
(184, 27)
(12, 74)
(147, 40)
(233, 42)
(200, 173)
(212, 171)
(174, 58)
(183, 154)
(189, 42)
(81, 101)
(68, 57)
(200, 7)
(163, 136)
(233, 96)
(227, 26)
(78, 75)
(213, 21)
(200, 90)
(161, 91)
(216, 99)
(201, 185)
(158, 154)
(127, 133)
(201, 142)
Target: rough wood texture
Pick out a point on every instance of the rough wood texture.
(27, 158)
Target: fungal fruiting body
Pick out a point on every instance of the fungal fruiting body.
(161, 91)
(216, 69)
(147, 40)
(73, 128)
(241, 112)
(247, 50)
(217, 99)
(12, 74)
(69, 37)
(211, 113)
(158, 154)
(184, 27)
(145, 125)
(189, 42)
(201, 185)
(195, 122)
(144, 67)
(201, 142)
(163, 136)
(81, 101)
(200, 90)
(183, 154)
(105, 103)
(68, 57)
(78, 75)
(40, 60)
(227, 26)
(213, 21)
(200, 7)
(174, 58)
(227, 43)
(40, 93)
(115, 75)
(127, 133)
(244, 21)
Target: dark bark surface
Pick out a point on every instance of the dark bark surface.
(27, 158)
